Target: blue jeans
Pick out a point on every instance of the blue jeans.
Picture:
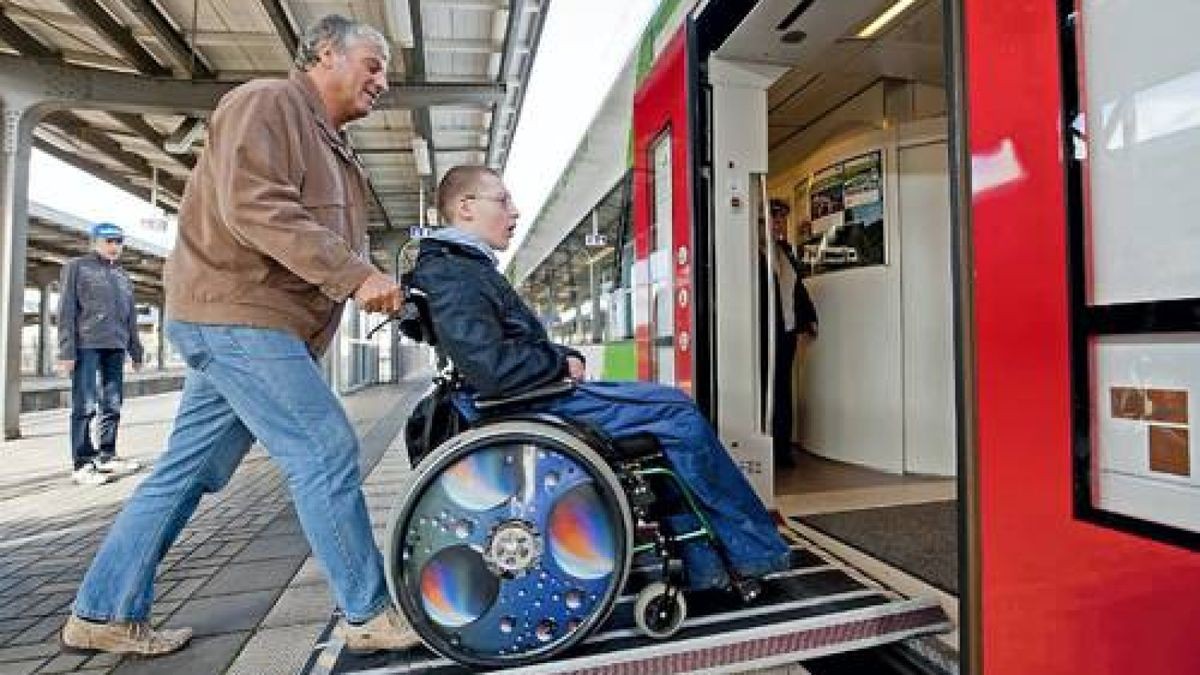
(109, 364)
(242, 384)
(741, 522)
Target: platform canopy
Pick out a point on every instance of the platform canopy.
(458, 77)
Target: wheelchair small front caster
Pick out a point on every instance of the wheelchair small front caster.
(748, 589)
(659, 611)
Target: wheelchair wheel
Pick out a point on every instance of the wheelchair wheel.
(657, 613)
(510, 545)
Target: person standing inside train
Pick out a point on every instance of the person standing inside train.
(499, 346)
(272, 242)
(795, 329)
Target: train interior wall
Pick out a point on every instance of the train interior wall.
(878, 383)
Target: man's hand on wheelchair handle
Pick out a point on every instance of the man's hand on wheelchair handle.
(380, 293)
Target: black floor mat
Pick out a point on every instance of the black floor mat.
(921, 539)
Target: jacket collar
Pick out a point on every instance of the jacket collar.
(460, 237)
(336, 137)
(456, 247)
(304, 81)
(94, 255)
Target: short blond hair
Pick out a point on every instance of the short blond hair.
(458, 181)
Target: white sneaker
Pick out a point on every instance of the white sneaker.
(89, 475)
(117, 465)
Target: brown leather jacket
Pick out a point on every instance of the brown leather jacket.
(272, 226)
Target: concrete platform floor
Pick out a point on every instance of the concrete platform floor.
(240, 575)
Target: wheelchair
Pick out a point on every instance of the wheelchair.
(515, 538)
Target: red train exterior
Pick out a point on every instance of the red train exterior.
(1057, 595)
(1046, 592)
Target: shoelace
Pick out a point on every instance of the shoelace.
(139, 631)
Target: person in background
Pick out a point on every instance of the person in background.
(97, 329)
(795, 329)
(272, 242)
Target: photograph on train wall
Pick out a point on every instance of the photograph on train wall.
(841, 222)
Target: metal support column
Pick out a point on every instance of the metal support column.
(598, 326)
(43, 359)
(393, 252)
(162, 334)
(42, 278)
(16, 142)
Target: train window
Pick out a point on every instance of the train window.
(662, 265)
(1132, 112)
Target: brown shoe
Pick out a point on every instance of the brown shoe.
(123, 637)
(387, 630)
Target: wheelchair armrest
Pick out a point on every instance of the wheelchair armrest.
(556, 388)
(635, 447)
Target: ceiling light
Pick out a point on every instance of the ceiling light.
(885, 18)
(420, 148)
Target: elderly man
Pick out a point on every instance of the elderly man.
(501, 349)
(272, 241)
(97, 328)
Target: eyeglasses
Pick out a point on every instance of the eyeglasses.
(505, 199)
(114, 240)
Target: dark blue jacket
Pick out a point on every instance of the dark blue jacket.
(96, 309)
(494, 339)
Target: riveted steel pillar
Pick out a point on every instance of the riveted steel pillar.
(16, 138)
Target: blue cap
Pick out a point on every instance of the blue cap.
(107, 231)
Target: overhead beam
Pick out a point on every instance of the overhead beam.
(138, 125)
(60, 85)
(21, 40)
(32, 47)
(283, 25)
(462, 46)
(73, 126)
(497, 152)
(188, 59)
(120, 37)
(414, 61)
(387, 150)
(467, 5)
(94, 168)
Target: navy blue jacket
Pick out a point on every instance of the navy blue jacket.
(494, 339)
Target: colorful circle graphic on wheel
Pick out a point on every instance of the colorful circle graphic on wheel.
(580, 534)
(456, 587)
(482, 480)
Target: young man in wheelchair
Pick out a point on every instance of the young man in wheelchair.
(500, 349)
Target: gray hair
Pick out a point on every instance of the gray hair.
(337, 31)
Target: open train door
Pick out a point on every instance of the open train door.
(682, 300)
(662, 219)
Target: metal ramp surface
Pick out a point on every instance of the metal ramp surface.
(817, 608)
